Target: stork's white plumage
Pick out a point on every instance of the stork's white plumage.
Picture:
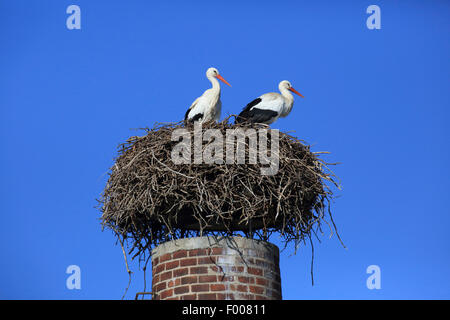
(208, 106)
(270, 106)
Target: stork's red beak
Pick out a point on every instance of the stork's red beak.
(296, 92)
(222, 79)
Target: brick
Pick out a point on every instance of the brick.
(221, 296)
(246, 279)
(225, 260)
(238, 287)
(207, 278)
(237, 268)
(240, 260)
(276, 286)
(243, 296)
(269, 256)
(165, 257)
(269, 274)
(159, 268)
(198, 270)
(179, 254)
(217, 287)
(252, 253)
(188, 262)
(166, 293)
(214, 268)
(230, 296)
(262, 281)
(276, 260)
(189, 297)
(241, 288)
(255, 271)
(166, 275)
(277, 276)
(276, 295)
(180, 272)
(173, 282)
(155, 279)
(189, 279)
(155, 261)
(262, 263)
(181, 290)
(216, 251)
(200, 287)
(160, 286)
(224, 269)
(197, 252)
(207, 260)
(155, 296)
(192, 253)
(172, 264)
(225, 278)
(206, 296)
(256, 289)
(273, 294)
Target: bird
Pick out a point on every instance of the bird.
(208, 106)
(268, 107)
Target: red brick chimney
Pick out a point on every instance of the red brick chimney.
(202, 268)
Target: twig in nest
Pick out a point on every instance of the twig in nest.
(126, 264)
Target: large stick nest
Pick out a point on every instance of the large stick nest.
(149, 199)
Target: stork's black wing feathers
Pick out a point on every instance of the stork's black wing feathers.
(186, 115)
(251, 104)
(197, 117)
(261, 115)
(245, 114)
(255, 115)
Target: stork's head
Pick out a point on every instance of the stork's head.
(214, 73)
(286, 85)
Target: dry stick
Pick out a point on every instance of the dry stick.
(126, 264)
(312, 261)
(279, 199)
(145, 269)
(335, 228)
(170, 168)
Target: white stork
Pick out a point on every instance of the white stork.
(208, 106)
(270, 106)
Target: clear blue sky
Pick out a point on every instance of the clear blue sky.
(377, 99)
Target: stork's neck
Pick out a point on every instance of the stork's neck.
(288, 101)
(215, 83)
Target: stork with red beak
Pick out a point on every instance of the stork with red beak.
(270, 106)
(208, 106)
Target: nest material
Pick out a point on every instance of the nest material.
(149, 199)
